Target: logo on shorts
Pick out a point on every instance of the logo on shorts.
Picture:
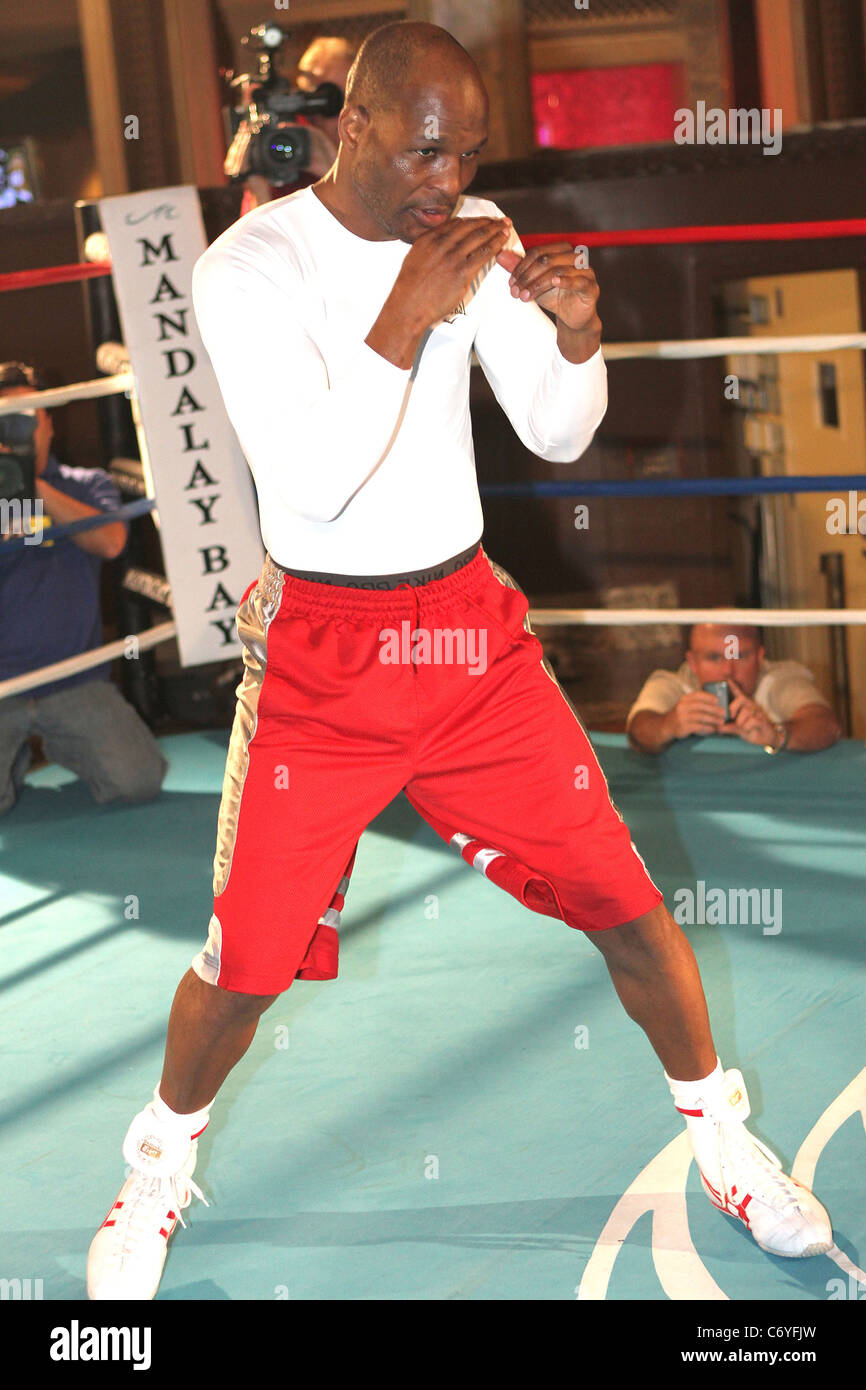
(438, 646)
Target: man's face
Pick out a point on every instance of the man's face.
(719, 653)
(423, 155)
(44, 429)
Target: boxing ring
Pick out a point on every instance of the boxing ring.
(467, 1113)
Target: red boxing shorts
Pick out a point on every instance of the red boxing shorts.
(350, 696)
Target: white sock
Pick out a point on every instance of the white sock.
(190, 1124)
(159, 1141)
(703, 1133)
(690, 1095)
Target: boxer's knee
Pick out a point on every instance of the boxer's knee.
(229, 1005)
(649, 939)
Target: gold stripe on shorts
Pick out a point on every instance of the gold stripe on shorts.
(253, 619)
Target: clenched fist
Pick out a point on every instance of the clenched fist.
(442, 264)
(434, 277)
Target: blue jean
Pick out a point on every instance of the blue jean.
(88, 728)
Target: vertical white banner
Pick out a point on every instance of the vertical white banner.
(204, 491)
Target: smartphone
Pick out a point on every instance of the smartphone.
(722, 692)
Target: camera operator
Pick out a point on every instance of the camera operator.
(50, 610)
(725, 686)
(326, 60)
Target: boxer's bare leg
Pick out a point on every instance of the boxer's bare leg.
(209, 1030)
(655, 974)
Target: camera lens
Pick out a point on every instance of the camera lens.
(282, 149)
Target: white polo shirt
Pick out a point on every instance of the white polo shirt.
(783, 688)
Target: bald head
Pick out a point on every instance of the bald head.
(701, 632)
(412, 128)
(394, 60)
(326, 60)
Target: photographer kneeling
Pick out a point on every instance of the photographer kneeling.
(50, 610)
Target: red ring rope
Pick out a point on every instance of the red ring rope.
(53, 275)
(672, 236)
(629, 236)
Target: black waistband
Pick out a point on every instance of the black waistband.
(387, 581)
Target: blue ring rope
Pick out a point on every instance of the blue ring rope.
(586, 487)
(87, 523)
(677, 487)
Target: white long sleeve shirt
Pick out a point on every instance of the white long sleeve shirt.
(362, 467)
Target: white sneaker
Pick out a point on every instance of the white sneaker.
(746, 1180)
(128, 1252)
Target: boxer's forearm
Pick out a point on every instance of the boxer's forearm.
(396, 336)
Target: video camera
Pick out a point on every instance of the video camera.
(17, 456)
(262, 140)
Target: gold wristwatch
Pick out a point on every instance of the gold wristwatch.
(777, 747)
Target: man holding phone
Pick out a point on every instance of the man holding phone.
(725, 686)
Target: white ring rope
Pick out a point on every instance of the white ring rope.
(63, 395)
(725, 347)
(542, 617)
(719, 617)
(73, 664)
(669, 350)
